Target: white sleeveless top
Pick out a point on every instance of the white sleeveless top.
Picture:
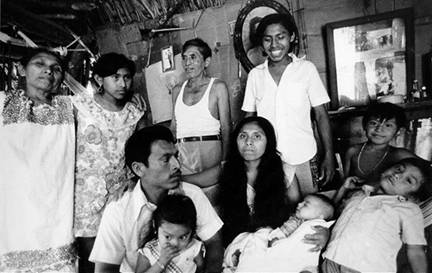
(195, 120)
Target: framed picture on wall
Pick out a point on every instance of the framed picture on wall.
(370, 57)
(427, 71)
(247, 46)
(167, 54)
(9, 75)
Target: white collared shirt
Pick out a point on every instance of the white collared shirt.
(117, 241)
(371, 230)
(288, 105)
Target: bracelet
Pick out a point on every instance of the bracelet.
(160, 264)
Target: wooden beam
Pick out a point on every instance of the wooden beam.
(36, 25)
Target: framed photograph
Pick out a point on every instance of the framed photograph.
(370, 57)
(247, 47)
(427, 71)
(9, 75)
(167, 54)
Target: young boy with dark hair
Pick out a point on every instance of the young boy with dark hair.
(375, 223)
(285, 90)
(381, 122)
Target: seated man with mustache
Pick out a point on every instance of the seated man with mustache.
(126, 223)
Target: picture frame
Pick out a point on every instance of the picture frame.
(9, 74)
(370, 57)
(167, 57)
(427, 71)
(247, 47)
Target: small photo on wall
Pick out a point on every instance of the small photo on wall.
(167, 58)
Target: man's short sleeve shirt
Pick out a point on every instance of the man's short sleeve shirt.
(126, 221)
(371, 229)
(288, 105)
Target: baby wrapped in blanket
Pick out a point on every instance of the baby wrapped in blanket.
(281, 249)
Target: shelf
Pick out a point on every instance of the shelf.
(413, 110)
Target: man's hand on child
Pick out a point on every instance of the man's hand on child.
(319, 238)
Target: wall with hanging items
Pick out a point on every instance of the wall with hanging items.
(214, 23)
(130, 11)
(136, 41)
(349, 128)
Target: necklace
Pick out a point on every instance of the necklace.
(376, 165)
(107, 105)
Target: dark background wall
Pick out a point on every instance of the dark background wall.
(213, 26)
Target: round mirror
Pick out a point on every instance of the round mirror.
(246, 44)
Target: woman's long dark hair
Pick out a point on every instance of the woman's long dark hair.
(270, 203)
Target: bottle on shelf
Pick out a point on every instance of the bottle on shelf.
(424, 93)
(415, 92)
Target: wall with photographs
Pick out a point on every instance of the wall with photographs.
(215, 25)
(418, 136)
(318, 13)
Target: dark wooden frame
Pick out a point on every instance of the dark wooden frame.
(240, 51)
(427, 72)
(408, 17)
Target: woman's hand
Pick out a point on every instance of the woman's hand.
(319, 238)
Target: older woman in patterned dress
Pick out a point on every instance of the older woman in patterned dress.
(37, 154)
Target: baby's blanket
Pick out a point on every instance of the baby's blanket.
(286, 255)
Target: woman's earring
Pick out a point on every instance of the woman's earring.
(98, 84)
(100, 90)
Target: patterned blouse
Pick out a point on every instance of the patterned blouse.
(100, 171)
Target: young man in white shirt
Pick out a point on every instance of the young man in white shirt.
(284, 90)
(127, 223)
